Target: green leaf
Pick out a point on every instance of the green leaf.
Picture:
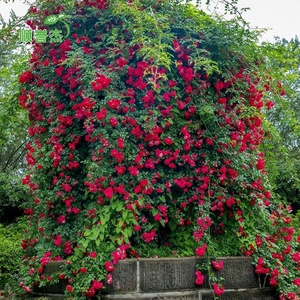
(85, 244)
(172, 225)
(125, 214)
(94, 235)
(101, 236)
(51, 20)
(61, 16)
(128, 232)
(87, 232)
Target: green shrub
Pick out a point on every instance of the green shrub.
(10, 251)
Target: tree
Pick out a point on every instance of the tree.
(13, 128)
(282, 149)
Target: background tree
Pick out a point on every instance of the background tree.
(13, 136)
(13, 121)
(283, 120)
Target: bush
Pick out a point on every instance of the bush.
(10, 252)
(145, 128)
(13, 195)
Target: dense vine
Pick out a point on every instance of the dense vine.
(145, 130)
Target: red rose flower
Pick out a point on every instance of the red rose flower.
(108, 192)
(101, 83)
(168, 141)
(222, 100)
(61, 219)
(200, 251)
(69, 288)
(113, 121)
(296, 281)
(219, 85)
(199, 278)
(58, 240)
(109, 266)
(269, 104)
(218, 290)
(218, 265)
(149, 236)
(97, 285)
(113, 103)
(25, 77)
(101, 114)
(133, 171)
(121, 62)
(93, 254)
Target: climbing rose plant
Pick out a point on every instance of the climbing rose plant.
(145, 130)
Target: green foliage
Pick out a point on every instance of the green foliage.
(10, 252)
(12, 196)
(13, 132)
(296, 222)
(283, 121)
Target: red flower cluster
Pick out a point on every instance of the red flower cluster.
(199, 278)
(218, 290)
(26, 77)
(100, 83)
(149, 236)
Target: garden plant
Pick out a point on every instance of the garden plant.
(145, 134)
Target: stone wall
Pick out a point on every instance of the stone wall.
(173, 278)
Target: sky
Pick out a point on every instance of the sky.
(280, 17)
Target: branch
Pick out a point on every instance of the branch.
(12, 155)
